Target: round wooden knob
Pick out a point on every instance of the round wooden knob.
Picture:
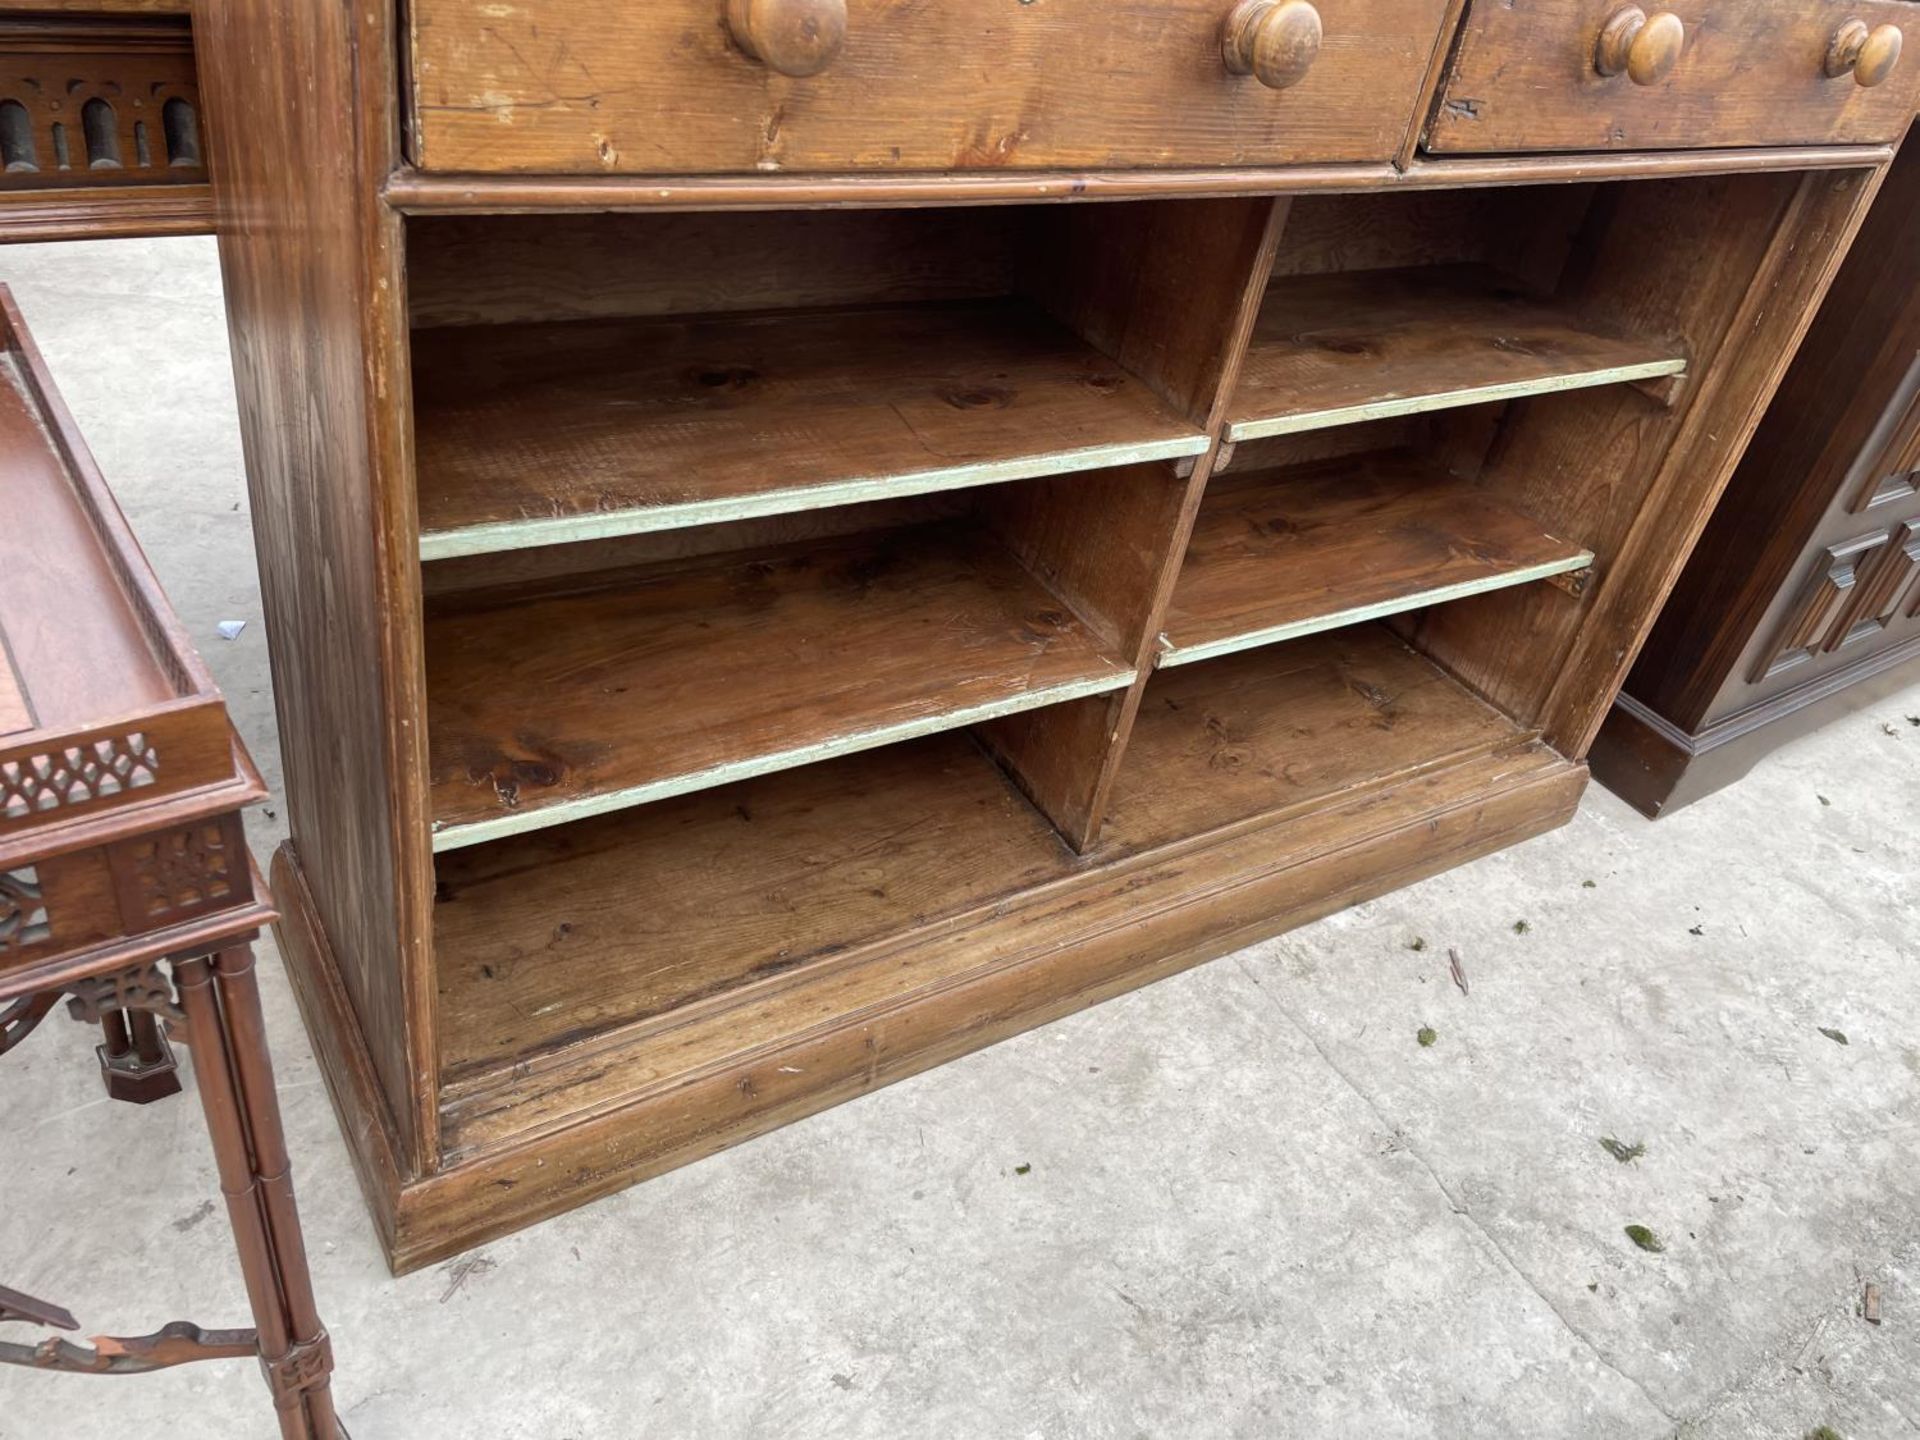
(1647, 49)
(1275, 41)
(795, 37)
(1869, 54)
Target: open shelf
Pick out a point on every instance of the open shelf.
(646, 912)
(745, 915)
(1270, 732)
(1280, 554)
(551, 708)
(535, 434)
(1333, 349)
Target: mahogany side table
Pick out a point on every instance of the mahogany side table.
(125, 883)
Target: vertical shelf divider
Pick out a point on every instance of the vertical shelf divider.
(1171, 291)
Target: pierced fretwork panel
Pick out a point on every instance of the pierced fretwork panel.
(178, 874)
(24, 919)
(75, 775)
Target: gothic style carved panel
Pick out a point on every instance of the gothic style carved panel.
(1889, 576)
(24, 919)
(97, 101)
(1891, 471)
(75, 775)
(1811, 624)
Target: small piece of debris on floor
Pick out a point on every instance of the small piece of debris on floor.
(1589, 885)
(1023, 1168)
(1870, 1304)
(1824, 1432)
(1456, 969)
(463, 1270)
(1623, 1153)
(1839, 1037)
(844, 1382)
(1419, 942)
(1645, 1239)
(230, 629)
(188, 1221)
(1696, 930)
(1823, 800)
(1426, 1035)
(1888, 730)
(1521, 927)
(1913, 719)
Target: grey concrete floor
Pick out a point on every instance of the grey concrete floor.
(1256, 1206)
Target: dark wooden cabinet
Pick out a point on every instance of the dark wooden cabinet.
(1802, 600)
(766, 598)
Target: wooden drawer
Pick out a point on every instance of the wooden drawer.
(1526, 76)
(664, 87)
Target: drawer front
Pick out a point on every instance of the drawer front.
(666, 87)
(1526, 75)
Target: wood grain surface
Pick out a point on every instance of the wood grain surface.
(661, 88)
(684, 901)
(312, 275)
(1277, 555)
(533, 434)
(1751, 73)
(1276, 731)
(47, 548)
(678, 908)
(550, 710)
(1339, 348)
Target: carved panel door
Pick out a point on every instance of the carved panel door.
(1861, 591)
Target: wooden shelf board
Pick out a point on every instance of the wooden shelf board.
(1341, 348)
(1281, 554)
(581, 965)
(530, 435)
(1263, 734)
(631, 916)
(552, 709)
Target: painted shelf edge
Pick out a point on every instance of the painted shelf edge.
(1172, 654)
(1388, 407)
(453, 837)
(500, 536)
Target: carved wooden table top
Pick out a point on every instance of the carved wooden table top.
(125, 883)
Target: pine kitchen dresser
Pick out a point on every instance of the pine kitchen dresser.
(772, 587)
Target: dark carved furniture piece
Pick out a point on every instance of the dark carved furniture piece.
(768, 593)
(1802, 601)
(126, 889)
(100, 121)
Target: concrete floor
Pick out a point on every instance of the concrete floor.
(1256, 1206)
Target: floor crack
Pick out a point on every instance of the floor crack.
(1457, 1205)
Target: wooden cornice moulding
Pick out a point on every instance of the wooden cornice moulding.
(420, 192)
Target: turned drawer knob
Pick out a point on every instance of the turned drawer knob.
(1275, 41)
(795, 37)
(1647, 49)
(1869, 54)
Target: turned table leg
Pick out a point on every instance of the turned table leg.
(221, 998)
